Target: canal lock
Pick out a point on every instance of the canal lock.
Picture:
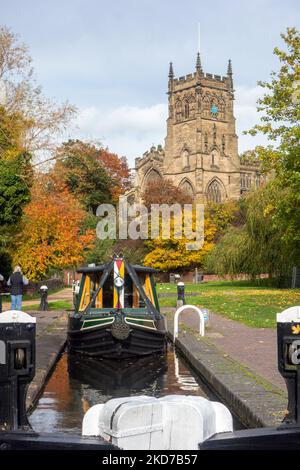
(77, 383)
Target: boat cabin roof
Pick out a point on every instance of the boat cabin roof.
(100, 268)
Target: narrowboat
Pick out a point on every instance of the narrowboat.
(116, 312)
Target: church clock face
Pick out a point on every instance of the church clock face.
(214, 110)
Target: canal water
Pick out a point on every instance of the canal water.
(77, 384)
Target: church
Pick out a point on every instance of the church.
(201, 147)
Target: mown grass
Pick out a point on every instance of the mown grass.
(242, 301)
(53, 305)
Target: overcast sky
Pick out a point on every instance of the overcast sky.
(111, 58)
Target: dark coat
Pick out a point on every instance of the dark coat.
(16, 283)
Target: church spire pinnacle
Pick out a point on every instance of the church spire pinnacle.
(198, 63)
(229, 74)
(171, 72)
(229, 68)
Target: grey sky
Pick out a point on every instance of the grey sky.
(111, 58)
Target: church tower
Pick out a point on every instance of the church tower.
(201, 152)
(201, 148)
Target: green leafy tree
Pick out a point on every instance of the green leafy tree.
(78, 167)
(280, 107)
(268, 240)
(14, 191)
(257, 246)
(15, 177)
(5, 263)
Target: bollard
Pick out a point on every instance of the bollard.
(288, 345)
(44, 297)
(17, 368)
(180, 294)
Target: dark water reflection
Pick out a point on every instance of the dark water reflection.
(78, 384)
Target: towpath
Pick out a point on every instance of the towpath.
(63, 294)
(256, 348)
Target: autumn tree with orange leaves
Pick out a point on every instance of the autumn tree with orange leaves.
(92, 174)
(163, 191)
(117, 169)
(50, 236)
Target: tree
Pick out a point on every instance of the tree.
(257, 246)
(15, 175)
(268, 240)
(11, 129)
(163, 191)
(5, 263)
(14, 195)
(171, 254)
(280, 105)
(117, 168)
(42, 118)
(224, 214)
(280, 123)
(51, 235)
(78, 167)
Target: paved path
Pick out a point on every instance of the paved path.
(254, 347)
(64, 294)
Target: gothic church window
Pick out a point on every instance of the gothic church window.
(186, 110)
(187, 187)
(223, 143)
(215, 133)
(221, 106)
(257, 180)
(178, 111)
(214, 192)
(185, 159)
(199, 103)
(243, 182)
(192, 106)
(153, 177)
(248, 180)
(205, 142)
(206, 106)
(214, 158)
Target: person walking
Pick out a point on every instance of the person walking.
(16, 283)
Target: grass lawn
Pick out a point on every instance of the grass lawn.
(243, 301)
(53, 305)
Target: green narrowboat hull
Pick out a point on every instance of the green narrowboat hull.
(116, 335)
